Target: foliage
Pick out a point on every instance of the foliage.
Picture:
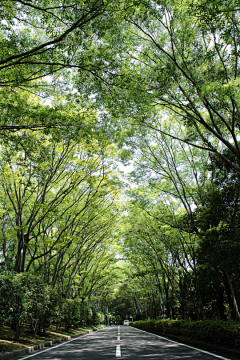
(219, 231)
(211, 331)
(40, 38)
(98, 317)
(11, 301)
(86, 83)
(24, 298)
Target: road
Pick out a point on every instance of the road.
(123, 342)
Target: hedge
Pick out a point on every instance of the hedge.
(26, 300)
(215, 332)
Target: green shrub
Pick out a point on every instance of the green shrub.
(71, 313)
(86, 314)
(56, 314)
(98, 317)
(24, 299)
(36, 300)
(216, 332)
(11, 301)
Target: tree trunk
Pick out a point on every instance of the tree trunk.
(35, 328)
(231, 296)
(17, 330)
(199, 304)
(220, 303)
(5, 254)
(182, 288)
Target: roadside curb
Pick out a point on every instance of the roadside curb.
(32, 349)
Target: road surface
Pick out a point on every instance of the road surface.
(123, 342)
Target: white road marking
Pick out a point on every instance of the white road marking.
(118, 338)
(118, 351)
(188, 346)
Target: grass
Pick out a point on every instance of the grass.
(27, 339)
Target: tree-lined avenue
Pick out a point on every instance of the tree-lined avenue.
(121, 342)
(86, 85)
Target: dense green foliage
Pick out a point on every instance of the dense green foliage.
(209, 331)
(86, 85)
(27, 300)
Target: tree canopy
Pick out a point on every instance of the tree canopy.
(86, 86)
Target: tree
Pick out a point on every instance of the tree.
(24, 298)
(40, 38)
(183, 63)
(43, 47)
(22, 110)
(54, 194)
(219, 231)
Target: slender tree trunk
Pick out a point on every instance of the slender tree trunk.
(220, 303)
(167, 303)
(182, 288)
(234, 305)
(18, 258)
(17, 330)
(199, 298)
(24, 251)
(56, 270)
(5, 254)
(74, 271)
(35, 327)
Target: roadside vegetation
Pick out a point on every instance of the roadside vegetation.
(27, 339)
(214, 332)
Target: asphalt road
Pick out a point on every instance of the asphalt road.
(121, 342)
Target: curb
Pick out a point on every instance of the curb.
(32, 349)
